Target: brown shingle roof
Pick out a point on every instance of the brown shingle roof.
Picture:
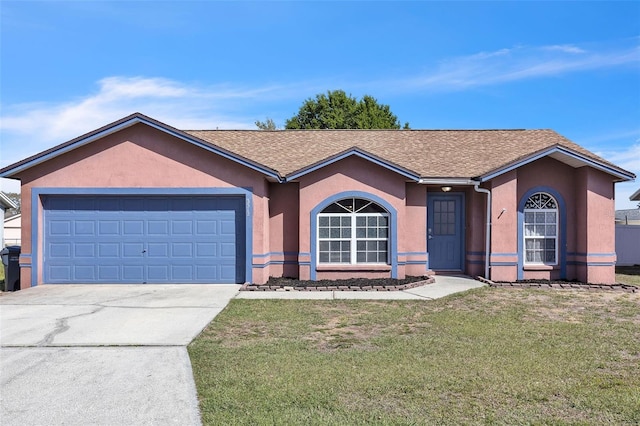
(460, 154)
(427, 153)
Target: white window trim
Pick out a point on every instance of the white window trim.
(525, 237)
(353, 239)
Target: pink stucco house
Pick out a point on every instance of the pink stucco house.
(138, 201)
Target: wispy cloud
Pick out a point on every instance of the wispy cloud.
(26, 129)
(520, 63)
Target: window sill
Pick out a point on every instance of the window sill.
(338, 267)
(540, 267)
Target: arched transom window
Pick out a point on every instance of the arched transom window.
(541, 230)
(353, 231)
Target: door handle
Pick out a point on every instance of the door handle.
(429, 234)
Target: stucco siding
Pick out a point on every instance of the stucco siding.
(138, 157)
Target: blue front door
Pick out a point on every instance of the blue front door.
(445, 231)
(144, 239)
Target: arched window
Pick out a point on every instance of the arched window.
(353, 231)
(541, 230)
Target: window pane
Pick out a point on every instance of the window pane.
(382, 246)
(323, 232)
(539, 232)
(372, 233)
(528, 244)
(529, 256)
(551, 231)
(324, 257)
(346, 257)
(345, 221)
(436, 206)
(382, 232)
(550, 243)
(383, 221)
(372, 221)
(334, 257)
(529, 230)
(361, 232)
(346, 232)
(334, 245)
(324, 245)
(529, 217)
(335, 233)
(550, 217)
(361, 257)
(323, 221)
(335, 221)
(361, 245)
(361, 221)
(539, 217)
(345, 246)
(550, 256)
(334, 208)
(537, 257)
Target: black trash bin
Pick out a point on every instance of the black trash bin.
(10, 256)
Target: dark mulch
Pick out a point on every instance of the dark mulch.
(375, 284)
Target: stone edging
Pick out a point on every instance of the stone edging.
(264, 287)
(568, 286)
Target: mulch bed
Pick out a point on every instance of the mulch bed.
(571, 285)
(353, 284)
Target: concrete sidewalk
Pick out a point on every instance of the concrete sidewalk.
(444, 286)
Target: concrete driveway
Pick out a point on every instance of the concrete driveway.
(102, 354)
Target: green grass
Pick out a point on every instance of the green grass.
(628, 275)
(490, 356)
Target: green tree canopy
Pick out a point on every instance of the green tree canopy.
(268, 124)
(337, 110)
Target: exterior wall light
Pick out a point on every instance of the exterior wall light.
(446, 188)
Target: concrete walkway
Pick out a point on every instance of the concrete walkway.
(116, 354)
(444, 286)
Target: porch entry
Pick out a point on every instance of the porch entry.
(445, 233)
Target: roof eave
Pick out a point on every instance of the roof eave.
(136, 118)
(635, 196)
(573, 157)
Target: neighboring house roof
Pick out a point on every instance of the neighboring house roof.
(416, 154)
(6, 202)
(12, 218)
(635, 196)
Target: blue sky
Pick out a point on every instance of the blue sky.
(70, 67)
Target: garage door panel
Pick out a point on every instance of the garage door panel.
(137, 239)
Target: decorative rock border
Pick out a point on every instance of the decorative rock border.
(267, 287)
(563, 285)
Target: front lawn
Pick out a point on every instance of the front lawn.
(492, 355)
(628, 275)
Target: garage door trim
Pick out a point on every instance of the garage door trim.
(37, 216)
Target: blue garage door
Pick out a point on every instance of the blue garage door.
(144, 239)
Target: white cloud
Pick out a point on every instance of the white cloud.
(566, 48)
(26, 129)
(519, 63)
